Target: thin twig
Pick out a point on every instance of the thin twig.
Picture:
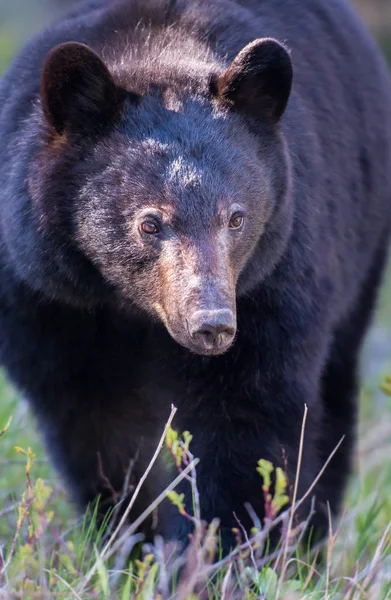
(132, 528)
(377, 557)
(8, 510)
(106, 481)
(140, 484)
(253, 516)
(123, 556)
(319, 475)
(295, 490)
(70, 588)
(124, 494)
(6, 427)
(24, 514)
(226, 582)
(195, 492)
(247, 540)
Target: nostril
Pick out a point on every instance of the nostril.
(205, 335)
(212, 328)
(225, 329)
(212, 332)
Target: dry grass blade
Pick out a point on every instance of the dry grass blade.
(140, 484)
(373, 567)
(226, 583)
(137, 522)
(294, 498)
(68, 586)
(134, 495)
(134, 526)
(319, 475)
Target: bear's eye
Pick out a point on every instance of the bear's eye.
(150, 227)
(236, 221)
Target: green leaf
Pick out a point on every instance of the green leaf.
(177, 500)
(127, 590)
(102, 574)
(268, 583)
(265, 469)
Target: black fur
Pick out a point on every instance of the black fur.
(168, 118)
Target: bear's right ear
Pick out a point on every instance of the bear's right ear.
(78, 92)
(258, 81)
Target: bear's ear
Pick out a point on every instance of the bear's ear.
(78, 92)
(258, 81)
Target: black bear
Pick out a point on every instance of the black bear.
(195, 209)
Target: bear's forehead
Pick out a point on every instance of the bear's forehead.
(192, 146)
(185, 175)
(188, 158)
(189, 121)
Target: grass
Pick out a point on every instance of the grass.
(48, 551)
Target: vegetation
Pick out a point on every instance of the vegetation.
(49, 552)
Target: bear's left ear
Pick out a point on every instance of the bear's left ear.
(258, 81)
(78, 92)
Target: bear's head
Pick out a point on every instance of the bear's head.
(170, 189)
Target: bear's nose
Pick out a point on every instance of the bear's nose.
(212, 331)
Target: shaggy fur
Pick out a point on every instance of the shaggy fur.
(174, 119)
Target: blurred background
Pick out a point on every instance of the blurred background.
(21, 18)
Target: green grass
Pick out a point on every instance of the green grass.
(52, 550)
